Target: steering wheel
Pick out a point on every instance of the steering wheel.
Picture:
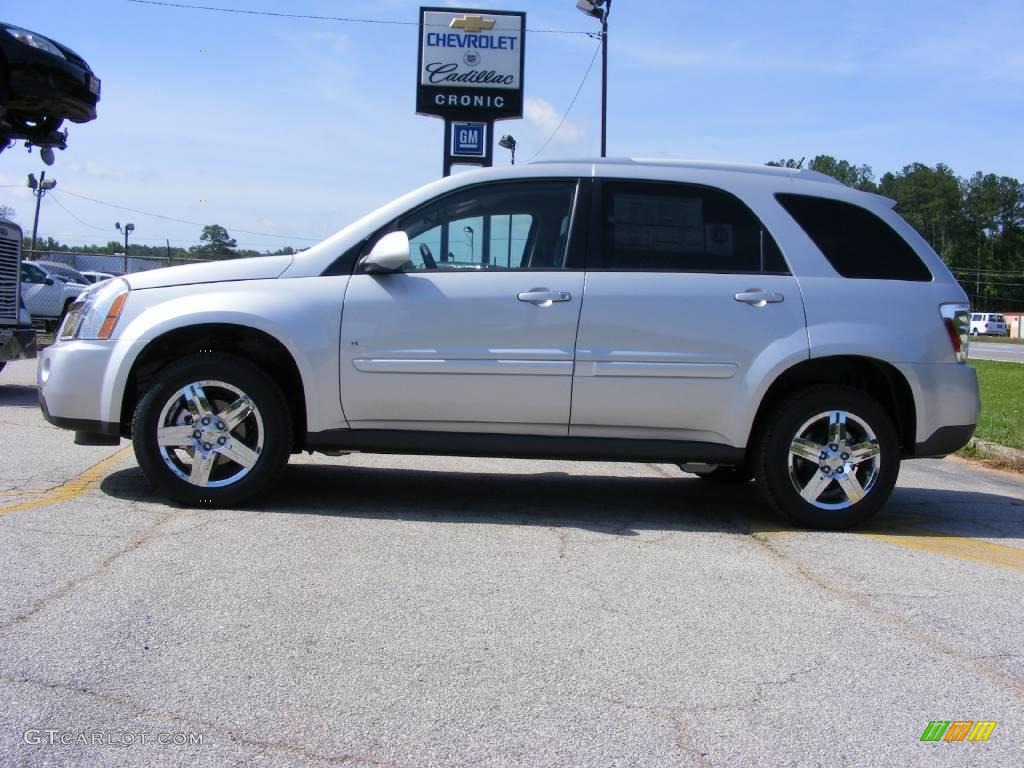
(428, 257)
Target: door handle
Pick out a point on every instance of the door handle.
(758, 298)
(542, 297)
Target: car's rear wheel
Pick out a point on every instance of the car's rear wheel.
(828, 458)
(213, 431)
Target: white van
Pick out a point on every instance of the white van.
(989, 324)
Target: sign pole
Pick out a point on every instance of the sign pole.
(447, 166)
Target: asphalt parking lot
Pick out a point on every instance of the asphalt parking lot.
(1006, 353)
(416, 611)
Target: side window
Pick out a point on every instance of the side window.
(32, 274)
(856, 242)
(682, 228)
(508, 225)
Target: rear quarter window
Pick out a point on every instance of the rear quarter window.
(856, 242)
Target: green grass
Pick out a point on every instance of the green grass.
(1002, 402)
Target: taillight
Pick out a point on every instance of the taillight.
(957, 320)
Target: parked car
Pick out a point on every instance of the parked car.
(62, 272)
(42, 84)
(95, 277)
(738, 321)
(989, 324)
(46, 294)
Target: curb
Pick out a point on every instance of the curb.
(986, 449)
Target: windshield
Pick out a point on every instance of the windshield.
(68, 272)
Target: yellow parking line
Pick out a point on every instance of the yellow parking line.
(74, 487)
(904, 532)
(950, 545)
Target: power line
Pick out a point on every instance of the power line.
(571, 103)
(183, 221)
(69, 213)
(314, 17)
(969, 271)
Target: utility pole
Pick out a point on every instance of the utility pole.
(39, 189)
(126, 229)
(599, 9)
(604, 79)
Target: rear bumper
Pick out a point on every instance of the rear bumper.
(17, 344)
(41, 82)
(944, 441)
(947, 403)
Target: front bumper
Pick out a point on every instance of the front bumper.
(77, 390)
(17, 344)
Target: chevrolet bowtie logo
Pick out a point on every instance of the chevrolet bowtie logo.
(472, 23)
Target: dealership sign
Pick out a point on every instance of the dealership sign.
(470, 64)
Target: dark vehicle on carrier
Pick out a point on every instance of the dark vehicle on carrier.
(42, 84)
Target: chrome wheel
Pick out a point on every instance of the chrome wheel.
(210, 433)
(834, 460)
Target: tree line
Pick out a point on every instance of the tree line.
(214, 243)
(975, 223)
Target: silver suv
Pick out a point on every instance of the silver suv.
(741, 322)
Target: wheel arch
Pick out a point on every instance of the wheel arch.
(257, 346)
(877, 378)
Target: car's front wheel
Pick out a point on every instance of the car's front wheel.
(214, 430)
(828, 458)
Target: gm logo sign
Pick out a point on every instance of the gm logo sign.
(469, 139)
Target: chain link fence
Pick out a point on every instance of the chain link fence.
(52, 280)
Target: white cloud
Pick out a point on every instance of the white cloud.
(543, 117)
(96, 170)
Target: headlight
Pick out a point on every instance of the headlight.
(96, 311)
(36, 41)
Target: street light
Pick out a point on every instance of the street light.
(509, 142)
(126, 229)
(469, 231)
(39, 189)
(599, 9)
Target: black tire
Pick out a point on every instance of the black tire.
(265, 433)
(727, 475)
(2, 366)
(64, 313)
(874, 476)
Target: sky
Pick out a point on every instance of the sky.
(290, 129)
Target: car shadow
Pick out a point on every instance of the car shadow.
(621, 506)
(18, 396)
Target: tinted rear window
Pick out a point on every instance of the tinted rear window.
(670, 227)
(856, 242)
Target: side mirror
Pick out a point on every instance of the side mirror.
(49, 281)
(389, 254)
